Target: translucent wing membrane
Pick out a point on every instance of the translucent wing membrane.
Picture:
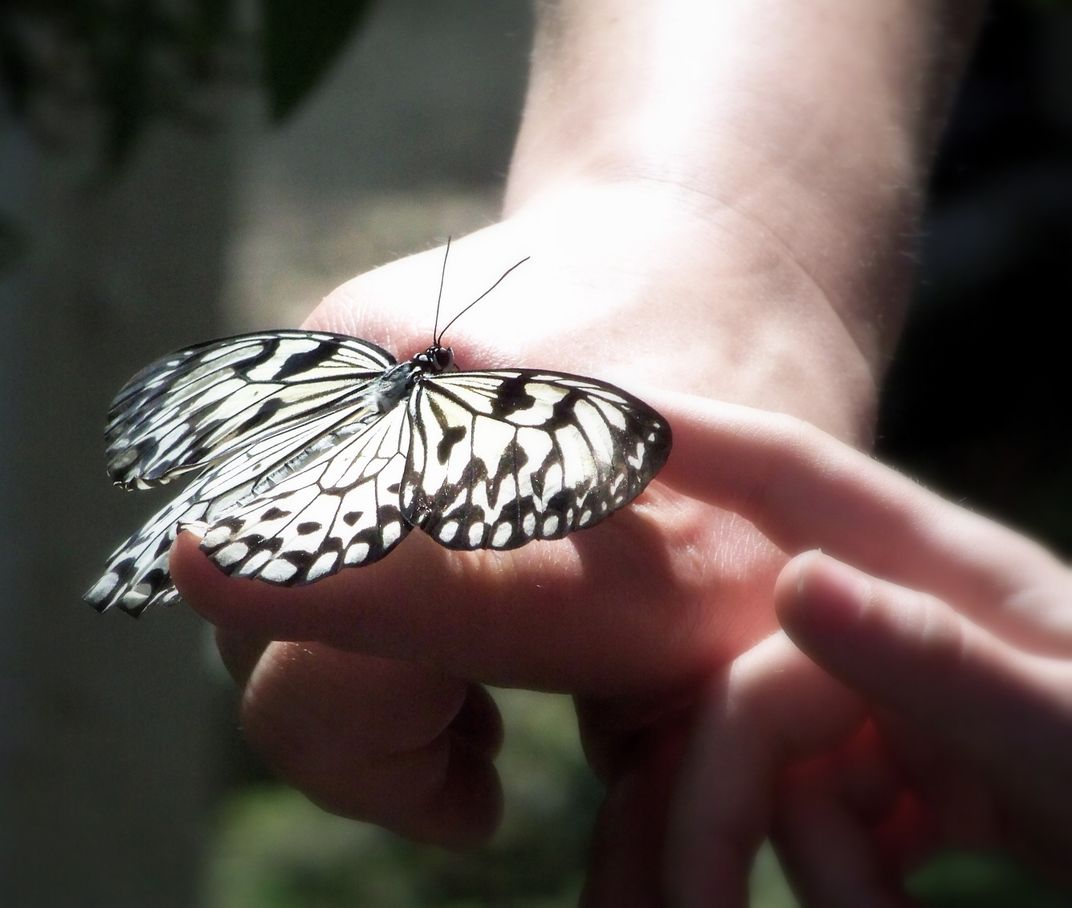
(340, 509)
(137, 576)
(315, 452)
(202, 404)
(501, 458)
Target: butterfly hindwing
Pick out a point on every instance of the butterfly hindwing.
(199, 405)
(339, 509)
(136, 575)
(500, 458)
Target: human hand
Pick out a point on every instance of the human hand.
(652, 600)
(696, 223)
(951, 719)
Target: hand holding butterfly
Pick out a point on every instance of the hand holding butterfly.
(684, 236)
(952, 725)
(627, 615)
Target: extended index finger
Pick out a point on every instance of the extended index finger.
(804, 489)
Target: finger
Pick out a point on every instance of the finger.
(848, 820)
(575, 614)
(859, 771)
(829, 853)
(377, 740)
(626, 858)
(804, 489)
(993, 705)
(772, 706)
(961, 803)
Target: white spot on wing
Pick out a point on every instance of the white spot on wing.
(256, 561)
(132, 600)
(357, 553)
(229, 554)
(322, 566)
(279, 571)
(217, 536)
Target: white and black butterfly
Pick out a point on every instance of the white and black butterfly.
(313, 452)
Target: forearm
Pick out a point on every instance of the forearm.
(806, 127)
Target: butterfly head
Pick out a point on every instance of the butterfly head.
(436, 358)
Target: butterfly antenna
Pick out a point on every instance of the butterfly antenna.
(439, 299)
(502, 277)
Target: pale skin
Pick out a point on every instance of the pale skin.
(717, 199)
(950, 723)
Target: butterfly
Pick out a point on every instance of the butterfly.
(310, 452)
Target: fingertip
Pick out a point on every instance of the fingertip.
(252, 607)
(478, 723)
(816, 594)
(791, 581)
(469, 808)
(198, 580)
(184, 545)
(188, 565)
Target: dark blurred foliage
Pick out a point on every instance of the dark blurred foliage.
(977, 401)
(967, 880)
(300, 42)
(127, 63)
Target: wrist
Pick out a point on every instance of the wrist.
(674, 295)
(795, 137)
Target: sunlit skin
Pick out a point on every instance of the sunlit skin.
(758, 257)
(952, 725)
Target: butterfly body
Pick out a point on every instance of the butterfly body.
(311, 452)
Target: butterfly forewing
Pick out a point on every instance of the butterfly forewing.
(201, 404)
(501, 458)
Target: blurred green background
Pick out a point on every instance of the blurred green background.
(175, 171)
